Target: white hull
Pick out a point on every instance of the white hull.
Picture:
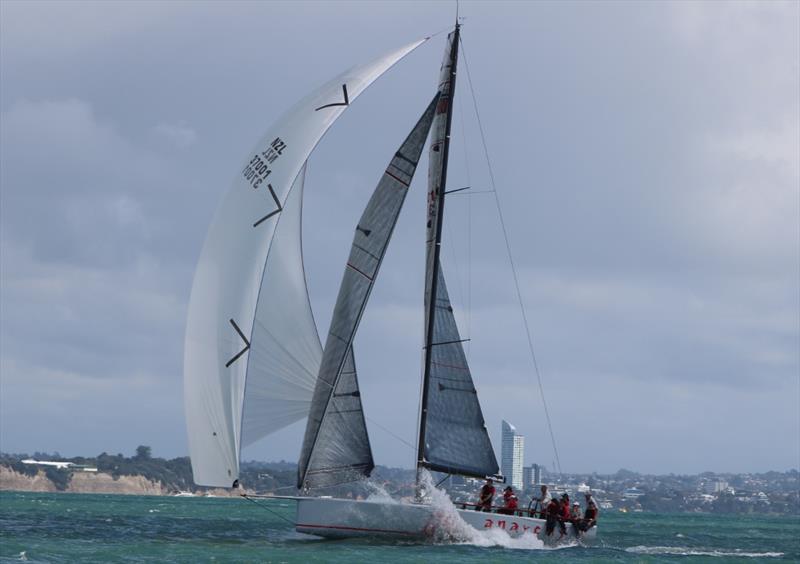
(344, 518)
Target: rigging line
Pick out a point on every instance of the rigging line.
(511, 261)
(398, 437)
(472, 192)
(283, 488)
(264, 507)
(469, 224)
(437, 33)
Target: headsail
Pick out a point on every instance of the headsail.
(343, 452)
(336, 447)
(229, 281)
(453, 436)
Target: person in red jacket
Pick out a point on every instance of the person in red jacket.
(564, 514)
(510, 502)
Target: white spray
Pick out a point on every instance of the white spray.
(451, 528)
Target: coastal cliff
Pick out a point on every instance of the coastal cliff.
(100, 482)
(140, 474)
(80, 482)
(12, 480)
(95, 483)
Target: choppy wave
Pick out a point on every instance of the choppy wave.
(67, 528)
(688, 551)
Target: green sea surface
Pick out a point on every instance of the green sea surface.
(58, 527)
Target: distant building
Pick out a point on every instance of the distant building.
(531, 476)
(513, 450)
(632, 493)
(717, 486)
(61, 465)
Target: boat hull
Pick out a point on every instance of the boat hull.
(346, 518)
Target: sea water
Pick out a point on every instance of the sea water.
(58, 527)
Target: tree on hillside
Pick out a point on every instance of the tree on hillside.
(143, 452)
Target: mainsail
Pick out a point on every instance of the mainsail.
(453, 436)
(231, 285)
(336, 446)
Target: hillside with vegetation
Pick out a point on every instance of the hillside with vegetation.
(144, 474)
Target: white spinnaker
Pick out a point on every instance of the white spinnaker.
(228, 278)
(285, 349)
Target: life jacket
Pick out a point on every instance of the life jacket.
(591, 512)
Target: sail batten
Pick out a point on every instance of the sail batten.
(336, 436)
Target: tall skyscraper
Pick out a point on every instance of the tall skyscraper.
(513, 451)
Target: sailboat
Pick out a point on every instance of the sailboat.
(254, 362)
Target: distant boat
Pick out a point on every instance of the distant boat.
(184, 494)
(253, 359)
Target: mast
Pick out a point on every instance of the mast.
(434, 271)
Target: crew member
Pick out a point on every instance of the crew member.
(509, 502)
(590, 515)
(564, 516)
(576, 517)
(486, 496)
(540, 503)
(551, 513)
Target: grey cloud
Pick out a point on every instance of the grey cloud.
(646, 156)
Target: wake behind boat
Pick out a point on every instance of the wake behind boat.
(253, 359)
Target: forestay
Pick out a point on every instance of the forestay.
(336, 446)
(230, 283)
(453, 436)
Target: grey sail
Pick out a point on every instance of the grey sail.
(456, 439)
(344, 453)
(452, 432)
(336, 446)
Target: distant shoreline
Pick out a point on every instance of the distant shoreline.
(94, 483)
(141, 474)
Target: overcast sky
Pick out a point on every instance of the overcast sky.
(645, 155)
